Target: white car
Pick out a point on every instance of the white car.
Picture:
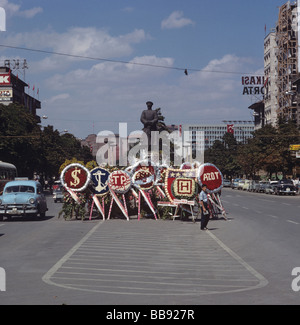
(246, 185)
(241, 184)
(58, 195)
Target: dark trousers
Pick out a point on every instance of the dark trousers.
(204, 217)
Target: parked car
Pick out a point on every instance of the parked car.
(226, 182)
(58, 195)
(22, 197)
(269, 189)
(257, 187)
(262, 186)
(235, 183)
(285, 187)
(246, 185)
(241, 184)
(253, 186)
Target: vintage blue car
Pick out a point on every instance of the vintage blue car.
(22, 197)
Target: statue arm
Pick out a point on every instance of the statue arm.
(143, 119)
(155, 119)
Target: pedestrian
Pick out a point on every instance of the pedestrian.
(204, 207)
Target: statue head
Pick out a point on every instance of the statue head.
(149, 104)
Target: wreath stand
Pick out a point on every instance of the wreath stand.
(180, 205)
(147, 198)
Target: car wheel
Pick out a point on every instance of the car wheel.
(1, 218)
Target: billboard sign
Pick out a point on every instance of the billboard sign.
(295, 147)
(5, 79)
(253, 85)
(5, 94)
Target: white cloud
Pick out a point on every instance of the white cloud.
(109, 93)
(176, 20)
(57, 98)
(128, 9)
(77, 92)
(102, 76)
(12, 9)
(30, 13)
(85, 42)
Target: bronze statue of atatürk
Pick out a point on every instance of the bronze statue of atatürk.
(150, 119)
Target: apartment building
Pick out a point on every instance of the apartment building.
(270, 87)
(287, 61)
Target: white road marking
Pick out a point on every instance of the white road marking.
(295, 223)
(109, 261)
(262, 280)
(46, 278)
(275, 217)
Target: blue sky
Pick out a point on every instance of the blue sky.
(88, 96)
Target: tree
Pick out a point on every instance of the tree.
(31, 149)
(268, 150)
(223, 154)
(288, 133)
(56, 148)
(19, 136)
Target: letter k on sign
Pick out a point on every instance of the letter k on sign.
(5, 79)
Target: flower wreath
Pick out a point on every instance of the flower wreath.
(143, 179)
(76, 165)
(120, 189)
(179, 195)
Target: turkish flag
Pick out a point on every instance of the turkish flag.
(230, 128)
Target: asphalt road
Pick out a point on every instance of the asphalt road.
(246, 260)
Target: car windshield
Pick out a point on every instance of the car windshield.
(21, 188)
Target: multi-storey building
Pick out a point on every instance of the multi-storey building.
(12, 90)
(287, 61)
(270, 87)
(242, 130)
(281, 68)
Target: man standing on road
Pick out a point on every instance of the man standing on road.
(204, 207)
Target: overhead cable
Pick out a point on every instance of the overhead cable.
(185, 70)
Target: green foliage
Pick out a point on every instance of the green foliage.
(25, 144)
(224, 155)
(73, 210)
(268, 150)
